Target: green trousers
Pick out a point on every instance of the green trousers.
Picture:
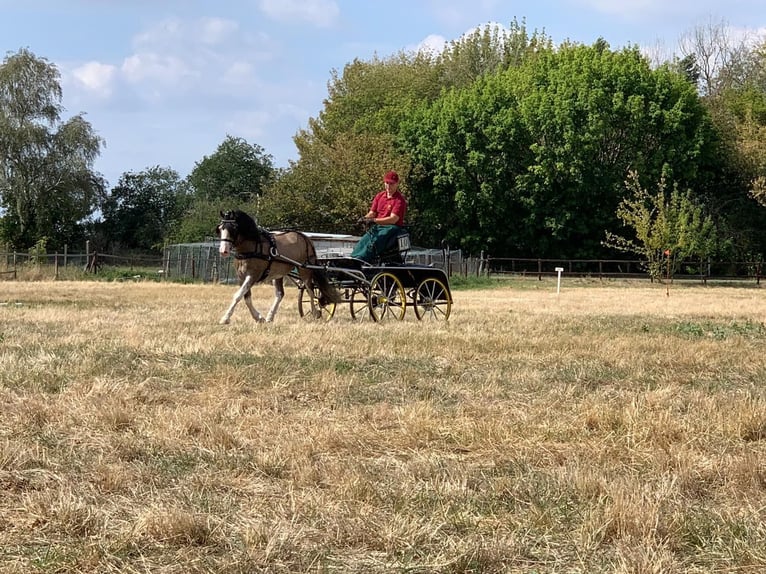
(377, 240)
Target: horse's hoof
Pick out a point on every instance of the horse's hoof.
(223, 322)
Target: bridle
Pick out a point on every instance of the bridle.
(220, 227)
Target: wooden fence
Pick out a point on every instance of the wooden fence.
(621, 268)
(201, 262)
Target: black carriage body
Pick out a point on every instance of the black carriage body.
(385, 287)
(385, 290)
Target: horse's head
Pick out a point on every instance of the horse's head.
(235, 227)
(227, 232)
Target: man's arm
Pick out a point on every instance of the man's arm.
(390, 220)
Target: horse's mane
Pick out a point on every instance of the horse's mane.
(246, 225)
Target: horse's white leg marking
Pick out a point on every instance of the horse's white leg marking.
(279, 293)
(236, 299)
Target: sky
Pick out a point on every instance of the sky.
(164, 82)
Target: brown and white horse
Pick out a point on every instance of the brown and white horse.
(262, 255)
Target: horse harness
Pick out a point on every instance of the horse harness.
(259, 253)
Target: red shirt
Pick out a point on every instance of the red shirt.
(383, 206)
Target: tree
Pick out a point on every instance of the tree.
(470, 145)
(358, 134)
(721, 60)
(143, 208)
(47, 184)
(488, 51)
(332, 185)
(669, 228)
(531, 161)
(235, 173)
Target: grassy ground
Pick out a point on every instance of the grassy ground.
(615, 427)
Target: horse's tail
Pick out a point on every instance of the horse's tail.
(328, 292)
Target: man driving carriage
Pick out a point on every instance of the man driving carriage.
(385, 218)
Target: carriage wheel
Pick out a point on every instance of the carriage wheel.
(359, 304)
(387, 297)
(432, 300)
(323, 312)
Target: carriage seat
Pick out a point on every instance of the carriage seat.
(386, 244)
(396, 249)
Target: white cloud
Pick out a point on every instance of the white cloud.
(238, 73)
(167, 70)
(249, 125)
(432, 44)
(321, 13)
(95, 78)
(186, 61)
(217, 30)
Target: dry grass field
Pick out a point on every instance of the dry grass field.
(609, 428)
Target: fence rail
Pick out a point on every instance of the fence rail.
(202, 262)
(623, 268)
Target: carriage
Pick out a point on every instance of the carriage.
(381, 289)
(378, 289)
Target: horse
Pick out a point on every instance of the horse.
(262, 254)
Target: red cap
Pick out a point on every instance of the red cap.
(391, 177)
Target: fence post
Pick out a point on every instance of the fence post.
(539, 269)
(56, 266)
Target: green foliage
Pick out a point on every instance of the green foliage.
(489, 51)
(471, 145)
(332, 185)
(545, 145)
(669, 228)
(39, 251)
(358, 135)
(47, 184)
(236, 172)
(143, 208)
(198, 222)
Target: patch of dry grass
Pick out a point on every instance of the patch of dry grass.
(610, 428)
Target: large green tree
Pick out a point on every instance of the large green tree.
(238, 171)
(48, 188)
(531, 161)
(357, 136)
(143, 209)
(236, 175)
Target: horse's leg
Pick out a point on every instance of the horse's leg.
(244, 288)
(279, 292)
(253, 311)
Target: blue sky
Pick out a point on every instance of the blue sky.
(165, 81)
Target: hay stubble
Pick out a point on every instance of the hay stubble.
(609, 428)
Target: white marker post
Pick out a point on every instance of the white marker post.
(558, 280)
